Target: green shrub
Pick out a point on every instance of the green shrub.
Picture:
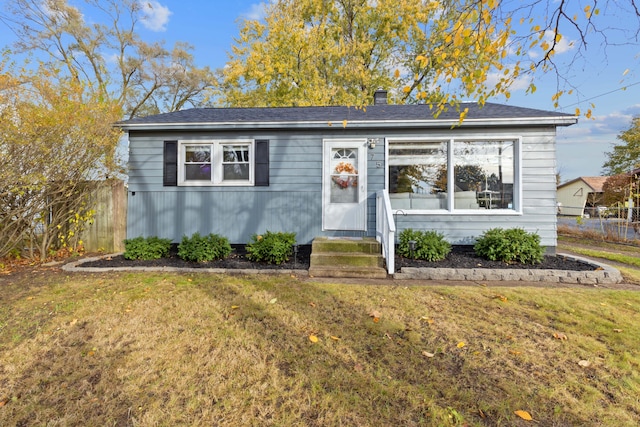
(208, 248)
(511, 245)
(274, 248)
(146, 248)
(430, 245)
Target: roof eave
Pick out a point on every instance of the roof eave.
(355, 124)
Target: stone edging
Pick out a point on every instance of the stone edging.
(76, 266)
(604, 275)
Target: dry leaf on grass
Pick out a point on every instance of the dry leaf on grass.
(313, 338)
(273, 300)
(524, 415)
(375, 315)
(427, 354)
(461, 344)
(559, 336)
(584, 363)
(333, 337)
(617, 330)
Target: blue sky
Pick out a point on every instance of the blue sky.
(580, 147)
(211, 25)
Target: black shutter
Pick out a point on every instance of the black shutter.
(170, 170)
(262, 163)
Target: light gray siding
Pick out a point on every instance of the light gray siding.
(293, 200)
(538, 163)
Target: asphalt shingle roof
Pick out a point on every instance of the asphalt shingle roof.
(372, 113)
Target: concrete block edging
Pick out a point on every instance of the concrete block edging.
(603, 274)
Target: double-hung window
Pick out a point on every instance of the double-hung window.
(454, 175)
(202, 163)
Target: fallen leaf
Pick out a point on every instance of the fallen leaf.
(584, 363)
(73, 322)
(313, 338)
(333, 337)
(312, 304)
(374, 313)
(273, 300)
(515, 352)
(376, 319)
(524, 415)
(427, 354)
(559, 336)
(500, 297)
(461, 344)
(427, 319)
(234, 307)
(617, 330)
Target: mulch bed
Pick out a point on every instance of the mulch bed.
(237, 260)
(464, 257)
(460, 257)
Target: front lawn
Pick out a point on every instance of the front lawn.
(168, 349)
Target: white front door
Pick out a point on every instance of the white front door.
(344, 184)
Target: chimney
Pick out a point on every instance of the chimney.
(380, 97)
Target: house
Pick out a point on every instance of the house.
(579, 195)
(343, 171)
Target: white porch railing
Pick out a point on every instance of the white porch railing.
(386, 229)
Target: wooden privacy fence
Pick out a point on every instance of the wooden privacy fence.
(110, 220)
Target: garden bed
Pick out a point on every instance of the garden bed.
(460, 257)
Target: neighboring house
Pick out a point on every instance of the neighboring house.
(580, 196)
(320, 171)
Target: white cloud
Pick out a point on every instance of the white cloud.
(581, 148)
(521, 83)
(256, 12)
(154, 15)
(564, 45)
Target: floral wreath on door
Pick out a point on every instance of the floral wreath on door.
(345, 175)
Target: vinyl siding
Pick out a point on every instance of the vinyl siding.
(538, 214)
(293, 200)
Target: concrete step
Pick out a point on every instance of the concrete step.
(348, 272)
(367, 245)
(346, 259)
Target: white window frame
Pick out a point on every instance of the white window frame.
(216, 163)
(450, 210)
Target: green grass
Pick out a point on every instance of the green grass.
(625, 255)
(164, 349)
(622, 258)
